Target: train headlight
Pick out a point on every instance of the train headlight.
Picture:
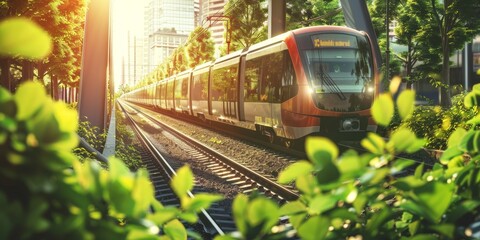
(351, 124)
(370, 89)
(310, 90)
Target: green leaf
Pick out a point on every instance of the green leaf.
(459, 210)
(8, 107)
(175, 230)
(117, 169)
(142, 194)
(449, 154)
(189, 217)
(314, 228)
(263, 211)
(350, 165)
(239, 207)
(30, 98)
(21, 37)
(383, 109)
(164, 215)
(472, 99)
(419, 171)
(470, 142)
(138, 234)
(320, 149)
(444, 229)
(456, 137)
(328, 173)
(476, 88)
(201, 201)
(292, 208)
(67, 118)
(406, 103)
(394, 85)
(424, 237)
(379, 219)
(374, 143)
(408, 183)
(306, 184)
(404, 140)
(475, 121)
(183, 181)
(321, 203)
(293, 171)
(432, 200)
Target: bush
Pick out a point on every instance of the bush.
(369, 196)
(46, 193)
(125, 147)
(435, 123)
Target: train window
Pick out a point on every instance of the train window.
(224, 82)
(289, 79)
(169, 94)
(270, 78)
(252, 79)
(181, 89)
(333, 69)
(200, 87)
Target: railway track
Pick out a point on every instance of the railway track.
(217, 219)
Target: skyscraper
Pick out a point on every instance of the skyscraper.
(211, 12)
(167, 25)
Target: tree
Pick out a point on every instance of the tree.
(314, 12)
(458, 22)
(63, 20)
(200, 47)
(247, 22)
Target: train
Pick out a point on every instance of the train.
(319, 80)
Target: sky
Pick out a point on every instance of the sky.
(126, 16)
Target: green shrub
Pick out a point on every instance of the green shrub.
(369, 196)
(435, 123)
(47, 193)
(125, 147)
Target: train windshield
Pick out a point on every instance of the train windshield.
(339, 70)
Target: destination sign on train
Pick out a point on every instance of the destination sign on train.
(334, 40)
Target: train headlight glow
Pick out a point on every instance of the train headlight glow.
(310, 90)
(370, 89)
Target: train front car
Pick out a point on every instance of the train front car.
(337, 83)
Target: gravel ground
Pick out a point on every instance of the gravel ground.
(258, 158)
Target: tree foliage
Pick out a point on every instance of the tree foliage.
(247, 23)
(63, 20)
(416, 31)
(313, 12)
(457, 22)
(200, 47)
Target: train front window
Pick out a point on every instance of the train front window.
(339, 70)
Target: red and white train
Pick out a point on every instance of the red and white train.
(316, 80)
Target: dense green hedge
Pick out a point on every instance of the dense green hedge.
(435, 123)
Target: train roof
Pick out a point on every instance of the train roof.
(282, 37)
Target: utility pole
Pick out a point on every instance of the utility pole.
(228, 38)
(95, 54)
(276, 17)
(387, 52)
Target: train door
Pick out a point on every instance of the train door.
(223, 89)
(262, 91)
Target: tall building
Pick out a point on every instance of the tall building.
(134, 67)
(167, 25)
(211, 12)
